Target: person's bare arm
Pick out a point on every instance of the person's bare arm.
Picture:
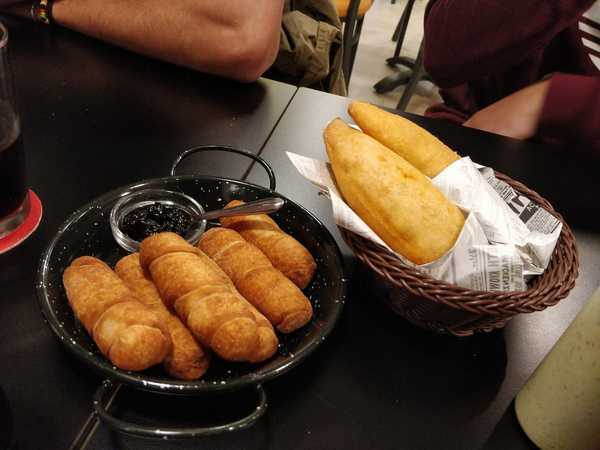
(238, 39)
(562, 108)
(516, 115)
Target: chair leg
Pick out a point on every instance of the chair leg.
(400, 31)
(357, 33)
(350, 25)
(411, 86)
(391, 82)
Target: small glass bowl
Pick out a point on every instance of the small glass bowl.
(138, 199)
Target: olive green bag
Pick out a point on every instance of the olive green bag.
(310, 52)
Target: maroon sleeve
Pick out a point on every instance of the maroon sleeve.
(571, 111)
(468, 39)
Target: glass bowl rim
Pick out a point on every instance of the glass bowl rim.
(131, 245)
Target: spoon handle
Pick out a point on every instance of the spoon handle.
(263, 206)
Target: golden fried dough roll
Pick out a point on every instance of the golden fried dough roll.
(168, 243)
(415, 144)
(397, 201)
(286, 254)
(127, 332)
(267, 340)
(206, 300)
(187, 359)
(88, 261)
(271, 292)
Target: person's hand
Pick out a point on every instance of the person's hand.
(516, 115)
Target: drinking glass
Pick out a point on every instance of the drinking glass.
(14, 201)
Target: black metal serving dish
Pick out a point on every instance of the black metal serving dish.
(87, 232)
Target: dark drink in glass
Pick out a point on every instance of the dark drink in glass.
(12, 167)
(14, 202)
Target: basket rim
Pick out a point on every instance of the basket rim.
(545, 290)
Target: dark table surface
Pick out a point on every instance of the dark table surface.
(379, 382)
(382, 383)
(96, 117)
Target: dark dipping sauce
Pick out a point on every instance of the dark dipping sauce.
(155, 218)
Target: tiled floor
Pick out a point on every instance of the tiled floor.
(376, 46)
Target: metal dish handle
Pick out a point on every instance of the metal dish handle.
(108, 389)
(225, 148)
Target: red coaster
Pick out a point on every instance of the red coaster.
(28, 226)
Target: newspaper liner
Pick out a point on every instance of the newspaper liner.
(506, 237)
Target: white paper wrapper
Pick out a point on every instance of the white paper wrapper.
(506, 237)
(506, 217)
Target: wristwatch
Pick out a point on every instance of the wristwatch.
(41, 11)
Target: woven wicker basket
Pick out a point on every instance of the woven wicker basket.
(446, 308)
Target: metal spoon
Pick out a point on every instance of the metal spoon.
(263, 206)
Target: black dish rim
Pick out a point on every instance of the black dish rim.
(179, 387)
